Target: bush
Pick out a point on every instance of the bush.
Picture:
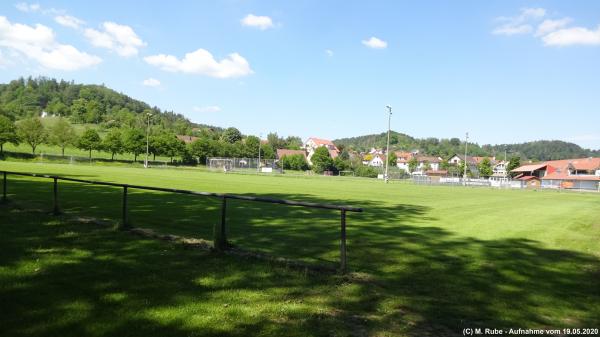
(365, 171)
(322, 160)
(294, 162)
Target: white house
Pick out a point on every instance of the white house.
(500, 169)
(314, 143)
(378, 160)
(427, 163)
(402, 159)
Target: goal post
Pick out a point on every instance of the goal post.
(249, 165)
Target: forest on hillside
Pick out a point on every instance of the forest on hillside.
(445, 148)
(82, 103)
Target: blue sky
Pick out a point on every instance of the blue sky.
(505, 71)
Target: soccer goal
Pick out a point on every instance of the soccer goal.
(248, 165)
(221, 164)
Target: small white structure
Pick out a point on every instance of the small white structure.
(500, 169)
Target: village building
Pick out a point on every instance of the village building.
(314, 143)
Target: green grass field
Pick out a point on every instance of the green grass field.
(425, 260)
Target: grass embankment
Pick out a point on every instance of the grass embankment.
(437, 259)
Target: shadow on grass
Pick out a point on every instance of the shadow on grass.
(411, 279)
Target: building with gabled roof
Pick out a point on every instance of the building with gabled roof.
(578, 173)
(314, 143)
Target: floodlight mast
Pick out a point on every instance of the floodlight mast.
(147, 140)
(387, 151)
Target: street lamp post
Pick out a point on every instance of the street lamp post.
(465, 162)
(147, 140)
(387, 151)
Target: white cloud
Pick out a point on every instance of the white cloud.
(520, 24)
(66, 57)
(207, 109)
(329, 52)
(375, 43)
(25, 7)
(260, 22)
(202, 62)
(120, 38)
(573, 36)
(512, 30)
(69, 21)
(548, 26)
(552, 32)
(151, 82)
(38, 43)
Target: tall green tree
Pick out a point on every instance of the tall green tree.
(89, 140)
(513, 163)
(62, 134)
(274, 141)
(232, 135)
(32, 132)
(134, 142)
(293, 143)
(251, 144)
(392, 158)
(412, 164)
(267, 152)
(172, 146)
(79, 110)
(321, 160)
(8, 132)
(113, 142)
(485, 167)
(202, 148)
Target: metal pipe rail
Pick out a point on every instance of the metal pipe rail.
(220, 238)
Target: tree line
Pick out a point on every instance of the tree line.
(160, 141)
(445, 148)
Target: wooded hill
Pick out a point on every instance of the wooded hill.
(84, 103)
(443, 147)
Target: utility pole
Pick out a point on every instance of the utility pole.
(465, 162)
(147, 140)
(387, 151)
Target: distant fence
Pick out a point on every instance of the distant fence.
(220, 237)
(51, 157)
(507, 183)
(458, 181)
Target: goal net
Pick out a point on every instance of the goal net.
(250, 165)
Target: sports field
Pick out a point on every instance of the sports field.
(425, 260)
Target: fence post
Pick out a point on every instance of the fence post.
(56, 211)
(220, 236)
(124, 224)
(343, 264)
(4, 199)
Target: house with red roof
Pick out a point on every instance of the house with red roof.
(314, 143)
(579, 173)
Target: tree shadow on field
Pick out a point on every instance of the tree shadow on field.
(409, 279)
